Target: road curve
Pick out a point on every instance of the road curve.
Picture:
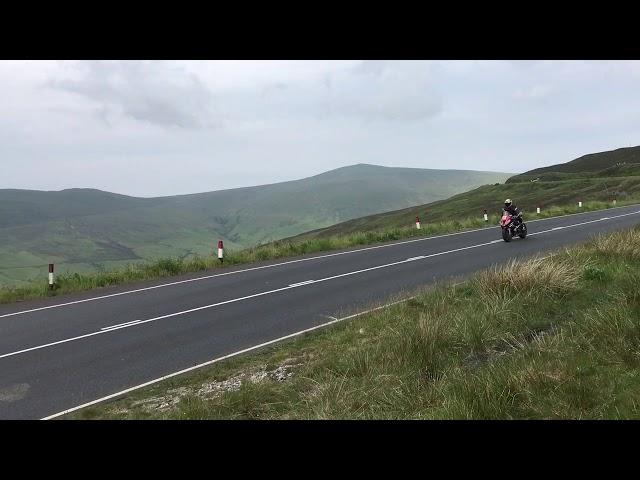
(59, 353)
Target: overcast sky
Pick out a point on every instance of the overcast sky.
(172, 127)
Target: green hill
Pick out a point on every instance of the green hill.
(85, 230)
(564, 185)
(620, 162)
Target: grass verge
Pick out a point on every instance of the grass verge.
(168, 267)
(551, 338)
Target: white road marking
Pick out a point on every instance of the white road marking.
(299, 284)
(207, 277)
(210, 362)
(415, 258)
(121, 325)
(269, 292)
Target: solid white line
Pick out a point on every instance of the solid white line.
(207, 277)
(355, 272)
(585, 223)
(121, 325)
(582, 213)
(210, 362)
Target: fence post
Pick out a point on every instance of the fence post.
(220, 251)
(51, 277)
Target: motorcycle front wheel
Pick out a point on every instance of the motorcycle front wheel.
(523, 231)
(506, 234)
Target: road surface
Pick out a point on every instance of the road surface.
(60, 353)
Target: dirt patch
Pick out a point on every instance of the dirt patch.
(214, 389)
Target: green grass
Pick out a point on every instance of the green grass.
(622, 161)
(552, 338)
(125, 272)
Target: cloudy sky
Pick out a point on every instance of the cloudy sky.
(172, 127)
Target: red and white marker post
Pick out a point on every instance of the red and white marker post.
(417, 222)
(51, 277)
(486, 217)
(220, 251)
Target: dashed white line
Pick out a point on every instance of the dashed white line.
(299, 284)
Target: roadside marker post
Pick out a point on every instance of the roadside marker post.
(538, 210)
(220, 251)
(579, 203)
(614, 201)
(486, 217)
(51, 277)
(417, 222)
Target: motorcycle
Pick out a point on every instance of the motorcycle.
(510, 227)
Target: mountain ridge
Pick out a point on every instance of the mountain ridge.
(85, 229)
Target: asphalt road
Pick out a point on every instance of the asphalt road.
(60, 353)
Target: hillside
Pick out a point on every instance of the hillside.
(619, 162)
(85, 230)
(604, 185)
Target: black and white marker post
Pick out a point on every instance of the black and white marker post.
(220, 251)
(51, 278)
(417, 222)
(486, 217)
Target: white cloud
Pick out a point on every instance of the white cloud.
(183, 126)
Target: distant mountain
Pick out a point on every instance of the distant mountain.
(85, 229)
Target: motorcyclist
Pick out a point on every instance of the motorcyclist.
(511, 209)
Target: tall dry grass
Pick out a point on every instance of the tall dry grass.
(536, 277)
(625, 243)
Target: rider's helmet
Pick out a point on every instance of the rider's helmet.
(507, 203)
